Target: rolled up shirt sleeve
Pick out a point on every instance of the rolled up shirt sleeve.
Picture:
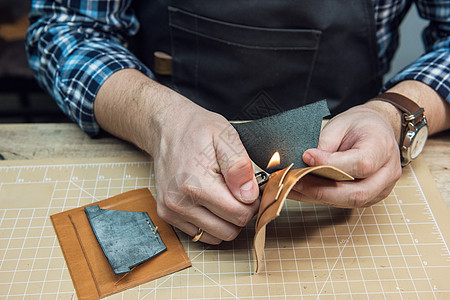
(74, 46)
(432, 68)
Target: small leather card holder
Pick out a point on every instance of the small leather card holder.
(92, 274)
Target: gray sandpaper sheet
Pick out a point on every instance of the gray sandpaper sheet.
(290, 133)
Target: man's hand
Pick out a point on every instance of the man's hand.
(203, 175)
(361, 143)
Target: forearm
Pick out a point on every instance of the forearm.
(125, 106)
(134, 107)
(437, 110)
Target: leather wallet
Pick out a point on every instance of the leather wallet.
(89, 268)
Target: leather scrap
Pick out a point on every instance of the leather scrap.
(128, 238)
(91, 273)
(275, 193)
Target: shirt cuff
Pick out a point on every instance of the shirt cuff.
(82, 75)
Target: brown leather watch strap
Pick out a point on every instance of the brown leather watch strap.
(413, 120)
(414, 113)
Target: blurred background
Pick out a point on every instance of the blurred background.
(23, 101)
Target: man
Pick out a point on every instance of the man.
(225, 54)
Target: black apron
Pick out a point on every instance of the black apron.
(248, 59)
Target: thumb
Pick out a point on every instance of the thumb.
(236, 167)
(329, 142)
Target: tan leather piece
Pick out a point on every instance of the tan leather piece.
(272, 190)
(277, 189)
(91, 273)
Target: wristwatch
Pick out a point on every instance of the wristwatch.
(414, 126)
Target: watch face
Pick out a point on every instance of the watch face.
(419, 142)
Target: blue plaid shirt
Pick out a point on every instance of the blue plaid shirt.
(74, 46)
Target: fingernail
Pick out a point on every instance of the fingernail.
(308, 159)
(248, 192)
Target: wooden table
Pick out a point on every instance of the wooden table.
(43, 141)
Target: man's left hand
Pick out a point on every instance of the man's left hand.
(361, 142)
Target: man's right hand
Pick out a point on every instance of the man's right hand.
(203, 175)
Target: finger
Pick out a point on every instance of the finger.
(331, 136)
(187, 191)
(192, 230)
(236, 166)
(218, 199)
(383, 195)
(294, 195)
(217, 229)
(207, 238)
(347, 194)
(359, 163)
(210, 223)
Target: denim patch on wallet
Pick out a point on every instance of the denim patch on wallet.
(127, 238)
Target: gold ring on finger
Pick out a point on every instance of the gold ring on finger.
(198, 236)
